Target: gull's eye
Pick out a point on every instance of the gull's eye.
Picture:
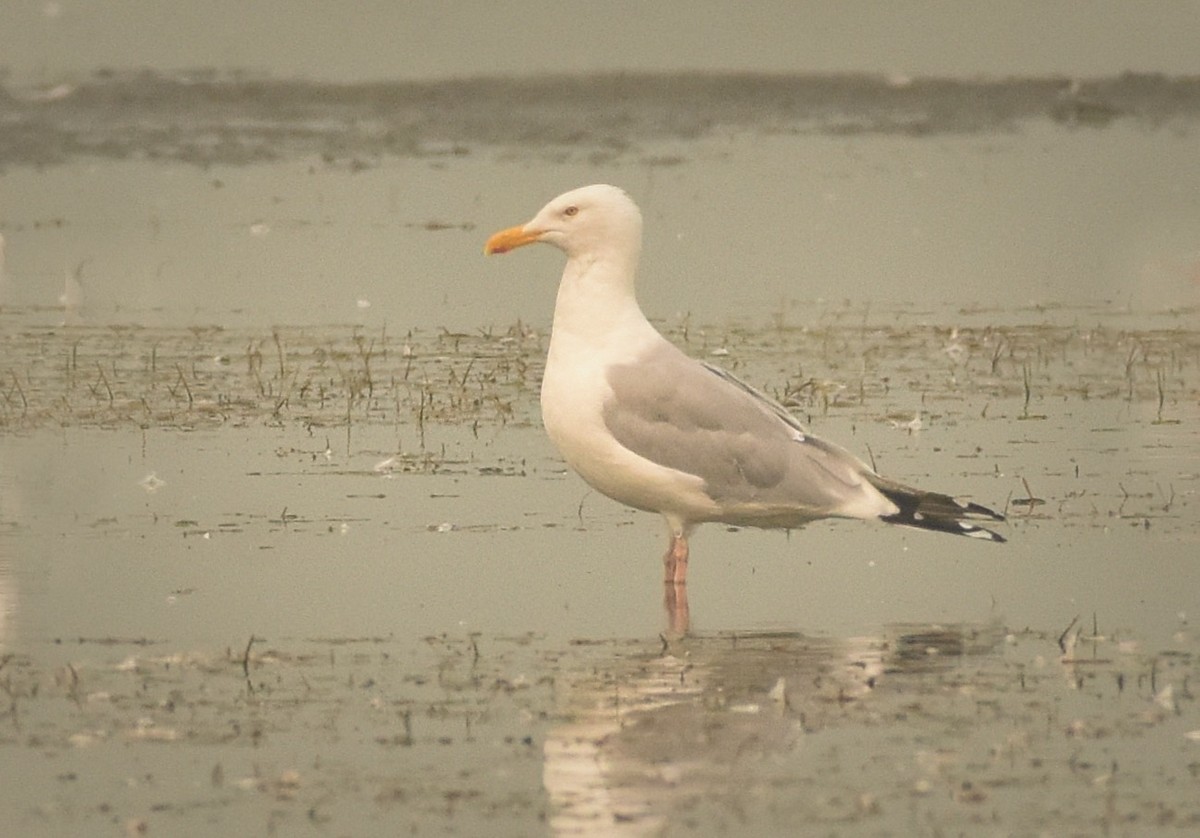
(571, 210)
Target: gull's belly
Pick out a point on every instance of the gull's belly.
(572, 410)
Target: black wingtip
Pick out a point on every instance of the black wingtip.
(983, 511)
(973, 531)
(908, 517)
(938, 513)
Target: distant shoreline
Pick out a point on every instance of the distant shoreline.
(211, 117)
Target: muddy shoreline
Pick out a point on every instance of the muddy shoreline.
(209, 117)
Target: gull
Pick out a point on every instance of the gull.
(654, 429)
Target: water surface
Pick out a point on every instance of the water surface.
(283, 546)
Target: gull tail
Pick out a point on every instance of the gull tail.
(933, 511)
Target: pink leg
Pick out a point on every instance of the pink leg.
(675, 601)
(675, 562)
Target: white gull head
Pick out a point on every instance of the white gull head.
(592, 222)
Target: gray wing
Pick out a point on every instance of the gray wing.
(699, 419)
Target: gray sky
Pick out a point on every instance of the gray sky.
(47, 40)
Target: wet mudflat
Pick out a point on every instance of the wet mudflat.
(341, 583)
(283, 548)
(921, 729)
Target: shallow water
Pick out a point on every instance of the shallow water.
(283, 547)
(299, 576)
(752, 212)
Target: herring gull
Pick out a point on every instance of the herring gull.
(657, 430)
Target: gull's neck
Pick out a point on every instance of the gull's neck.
(596, 303)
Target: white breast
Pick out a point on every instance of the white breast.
(574, 391)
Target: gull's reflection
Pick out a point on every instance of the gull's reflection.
(649, 731)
